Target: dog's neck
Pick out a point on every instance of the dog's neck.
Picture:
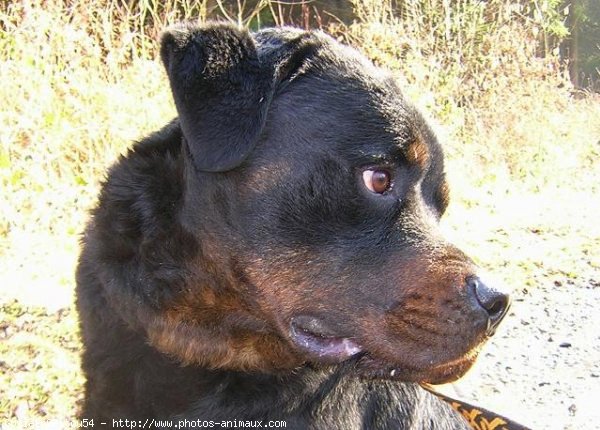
(307, 397)
(207, 204)
(193, 198)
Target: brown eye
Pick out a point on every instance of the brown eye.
(377, 181)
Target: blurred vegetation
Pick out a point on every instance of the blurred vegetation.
(582, 46)
(82, 80)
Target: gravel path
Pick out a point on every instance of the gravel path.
(543, 366)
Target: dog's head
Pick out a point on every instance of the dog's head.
(315, 190)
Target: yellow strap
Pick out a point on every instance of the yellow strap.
(478, 418)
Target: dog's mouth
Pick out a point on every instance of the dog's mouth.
(319, 344)
(323, 346)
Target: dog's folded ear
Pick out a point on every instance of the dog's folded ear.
(223, 81)
(220, 90)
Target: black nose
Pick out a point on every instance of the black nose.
(493, 301)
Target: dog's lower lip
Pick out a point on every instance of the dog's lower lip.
(436, 374)
(328, 348)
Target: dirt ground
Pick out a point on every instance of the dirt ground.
(543, 366)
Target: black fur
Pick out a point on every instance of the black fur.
(248, 213)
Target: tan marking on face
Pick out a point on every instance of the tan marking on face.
(443, 194)
(219, 348)
(431, 319)
(417, 153)
(225, 327)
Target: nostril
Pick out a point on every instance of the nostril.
(493, 301)
(496, 307)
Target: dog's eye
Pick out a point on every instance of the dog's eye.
(377, 181)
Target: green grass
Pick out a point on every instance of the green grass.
(80, 83)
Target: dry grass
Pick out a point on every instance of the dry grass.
(81, 81)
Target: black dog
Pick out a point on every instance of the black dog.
(272, 254)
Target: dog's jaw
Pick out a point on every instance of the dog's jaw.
(371, 368)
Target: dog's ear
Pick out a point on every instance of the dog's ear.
(223, 82)
(220, 90)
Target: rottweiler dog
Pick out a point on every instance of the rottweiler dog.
(273, 253)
